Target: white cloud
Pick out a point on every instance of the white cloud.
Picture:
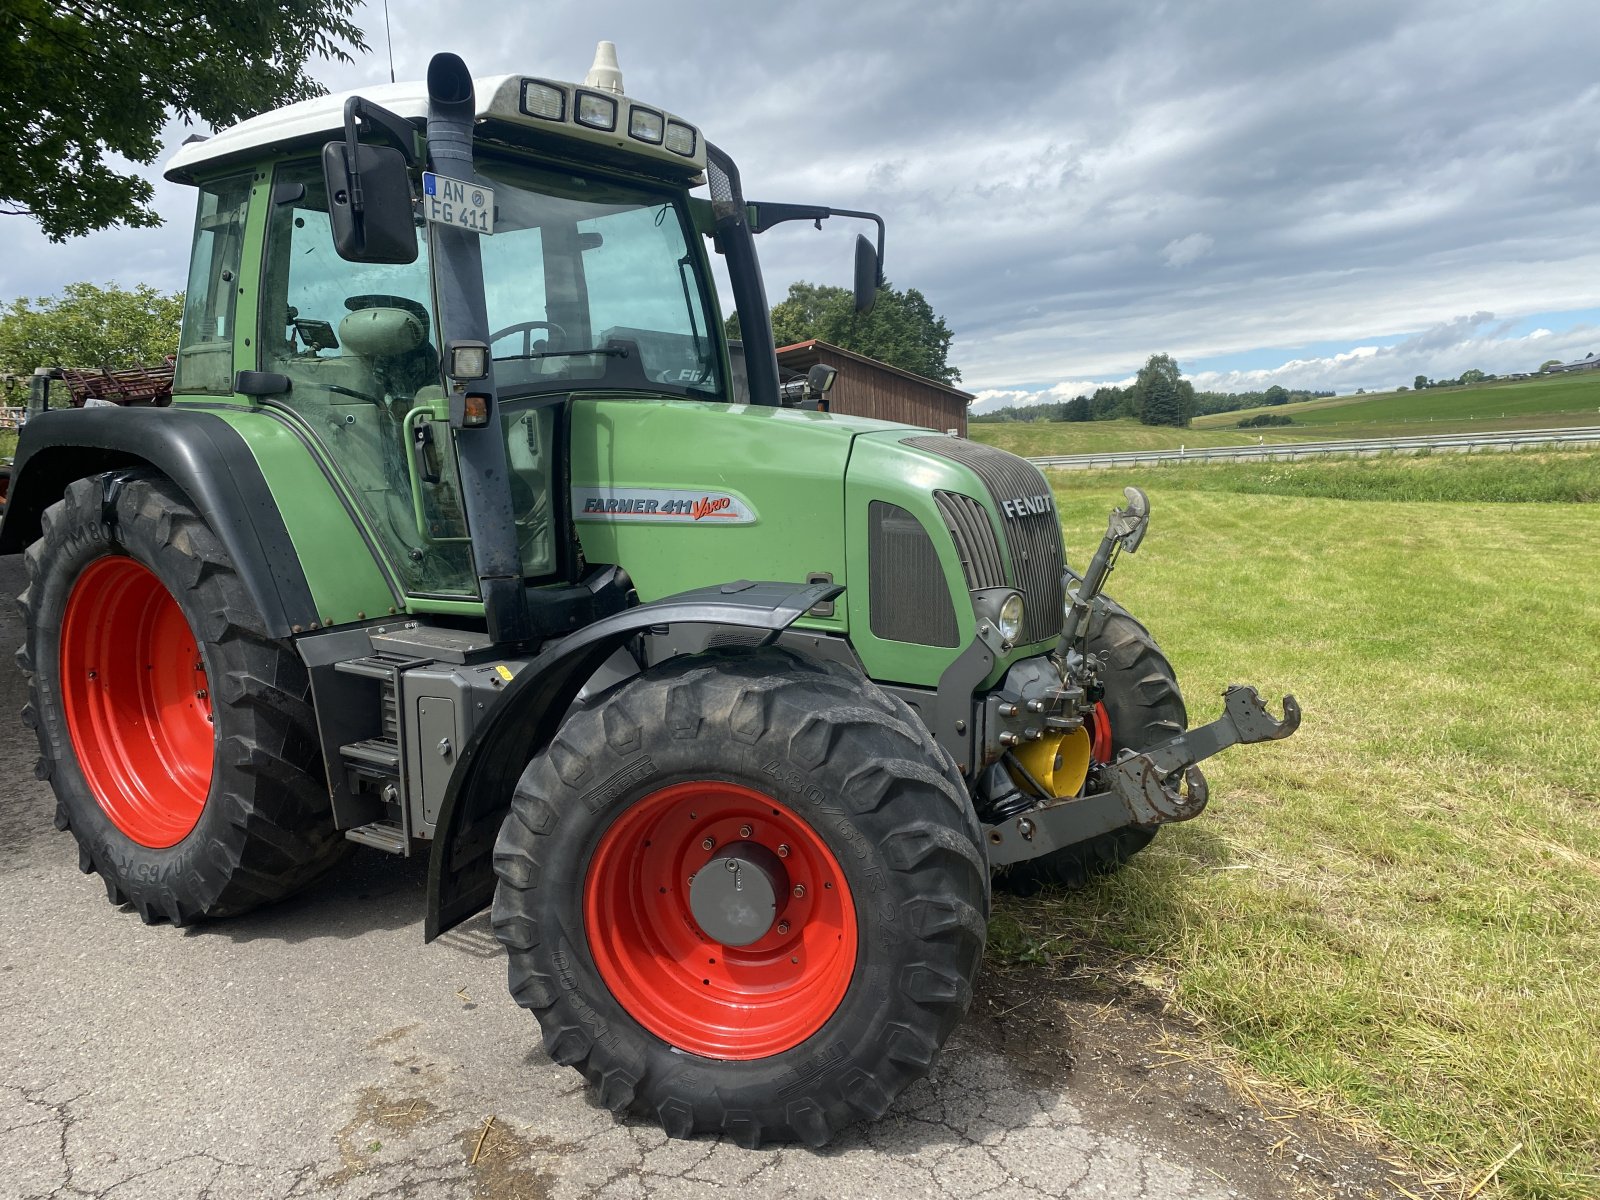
(1443, 351)
(1180, 252)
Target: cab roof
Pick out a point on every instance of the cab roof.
(498, 97)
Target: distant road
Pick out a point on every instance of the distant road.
(1458, 442)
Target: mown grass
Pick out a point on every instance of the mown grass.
(1396, 911)
(1546, 403)
(1516, 477)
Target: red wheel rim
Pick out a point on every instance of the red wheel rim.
(138, 707)
(1101, 749)
(692, 992)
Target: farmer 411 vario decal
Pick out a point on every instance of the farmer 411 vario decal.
(665, 506)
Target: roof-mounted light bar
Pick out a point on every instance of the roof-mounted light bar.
(589, 109)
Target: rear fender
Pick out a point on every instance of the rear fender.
(200, 453)
(531, 709)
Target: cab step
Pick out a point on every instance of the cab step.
(381, 835)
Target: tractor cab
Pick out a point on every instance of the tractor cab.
(433, 340)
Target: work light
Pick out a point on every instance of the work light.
(543, 100)
(646, 125)
(597, 112)
(680, 138)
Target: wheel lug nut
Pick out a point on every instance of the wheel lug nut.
(783, 851)
(708, 843)
(732, 864)
(744, 831)
(200, 695)
(783, 927)
(799, 890)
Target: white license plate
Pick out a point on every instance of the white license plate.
(447, 201)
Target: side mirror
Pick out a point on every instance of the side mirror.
(819, 380)
(867, 279)
(369, 203)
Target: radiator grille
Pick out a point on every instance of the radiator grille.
(908, 598)
(1034, 538)
(968, 523)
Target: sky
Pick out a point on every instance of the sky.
(1319, 195)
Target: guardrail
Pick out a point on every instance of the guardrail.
(1291, 451)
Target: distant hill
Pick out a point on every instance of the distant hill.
(1547, 402)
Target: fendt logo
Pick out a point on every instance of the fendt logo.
(667, 506)
(1027, 506)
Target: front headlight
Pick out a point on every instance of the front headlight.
(1010, 621)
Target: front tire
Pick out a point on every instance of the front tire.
(881, 911)
(179, 738)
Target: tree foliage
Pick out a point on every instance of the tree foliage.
(902, 329)
(84, 81)
(1161, 396)
(89, 326)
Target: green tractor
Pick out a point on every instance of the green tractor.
(453, 541)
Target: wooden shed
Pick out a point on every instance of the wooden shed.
(869, 388)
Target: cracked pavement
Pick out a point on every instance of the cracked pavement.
(319, 1048)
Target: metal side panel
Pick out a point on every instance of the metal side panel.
(443, 703)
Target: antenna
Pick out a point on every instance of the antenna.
(388, 35)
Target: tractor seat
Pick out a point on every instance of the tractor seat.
(394, 340)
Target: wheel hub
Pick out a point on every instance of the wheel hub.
(736, 896)
(720, 920)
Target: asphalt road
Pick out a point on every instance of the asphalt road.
(319, 1048)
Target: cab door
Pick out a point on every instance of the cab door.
(358, 343)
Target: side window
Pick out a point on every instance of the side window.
(205, 347)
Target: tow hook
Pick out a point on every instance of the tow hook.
(1149, 783)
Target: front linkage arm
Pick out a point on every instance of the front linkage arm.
(1147, 783)
(1154, 787)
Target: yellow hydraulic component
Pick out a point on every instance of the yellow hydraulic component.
(1060, 763)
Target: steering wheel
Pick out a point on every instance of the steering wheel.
(526, 328)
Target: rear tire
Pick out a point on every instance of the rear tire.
(179, 738)
(870, 817)
(1143, 706)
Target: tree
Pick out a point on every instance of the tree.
(902, 329)
(1548, 363)
(1161, 396)
(87, 80)
(1472, 376)
(89, 326)
(1276, 395)
(1420, 382)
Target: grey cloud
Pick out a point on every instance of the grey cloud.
(1359, 168)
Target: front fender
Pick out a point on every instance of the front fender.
(461, 868)
(200, 453)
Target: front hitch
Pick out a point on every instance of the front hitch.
(1148, 782)
(1152, 787)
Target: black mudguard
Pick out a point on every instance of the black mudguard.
(200, 453)
(461, 870)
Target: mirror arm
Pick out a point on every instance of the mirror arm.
(397, 127)
(768, 215)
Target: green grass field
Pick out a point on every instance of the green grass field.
(1547, 403)
(1397, 911)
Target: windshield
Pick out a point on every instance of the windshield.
(594, 283)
